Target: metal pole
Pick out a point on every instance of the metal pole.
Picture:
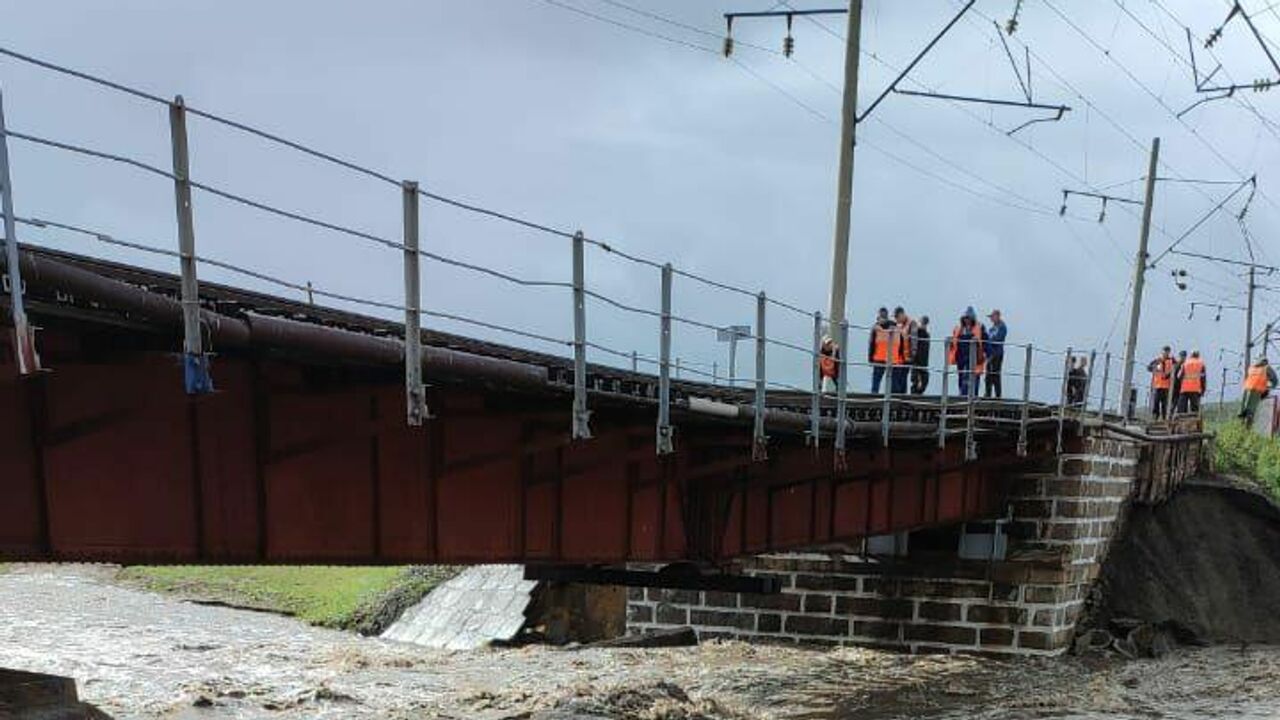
(1248, 323)
(23, 338)
(1222, 391)
(311, 297)
(844, 181)
(885, 410)
(815, 404)
(1026, 401)
(677, 368)
(1062, 401)
(581, 415)
(1106, 379)
(1139, 276)
(942, 409)
(415, 392)
(971, 448)
(715, 373)
(842, 374)
(759, 443)
(196, 364)
(665, 444)
(635, 361)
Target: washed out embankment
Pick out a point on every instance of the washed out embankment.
(1205, 566)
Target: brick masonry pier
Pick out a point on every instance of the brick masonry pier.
(1015, 585)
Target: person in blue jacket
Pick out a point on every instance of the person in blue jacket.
(996, 334)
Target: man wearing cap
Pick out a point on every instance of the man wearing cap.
(995, 353)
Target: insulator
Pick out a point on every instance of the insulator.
(728, 45)
(1062, 210)
(1182, 285)
(788, 46)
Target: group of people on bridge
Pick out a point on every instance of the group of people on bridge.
(898, 346)
(1177, 384)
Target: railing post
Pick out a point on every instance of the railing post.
(195, 362)
(942, 403)
(677, 368)
(1106, 378)
(581, 416)
(760, 443)
(24, 344)
(415, 391)
(715, 373)
(1026, 401)
(842, 377)
(815, 401)
(885, 410)
(1088, 382)
(1062, 402)
(971, 447)
(635, 361)
(665, 444)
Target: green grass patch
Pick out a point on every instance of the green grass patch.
(1240, 451)
(354, 598)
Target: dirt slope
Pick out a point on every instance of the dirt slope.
(1206, 564)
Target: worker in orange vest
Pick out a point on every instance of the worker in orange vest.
(1161, 370)
(907, 339)
(1258, 382)
(967, 352)
(1193, 384)
(829, 364)
(885, 334)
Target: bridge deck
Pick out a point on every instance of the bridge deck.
(304, 456)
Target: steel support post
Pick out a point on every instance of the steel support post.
(942, 400)
(1026, 401)
(970, 446)
(1088, 384)
(581, 416)
(24, 345)
(665, 444)
(1106, 379)
(1062, 400)
(815, 402)
(195, 361)
(760, 443)
(886, 408)
(842, 377)
(415, 391)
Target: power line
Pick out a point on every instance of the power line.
(629, 26)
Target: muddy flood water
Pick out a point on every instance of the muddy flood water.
(142, 655)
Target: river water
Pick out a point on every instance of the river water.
(143, 655)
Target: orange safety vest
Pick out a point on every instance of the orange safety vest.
(827, 366)
(1193, 376)
(883, 337)
(979, 347)
(1162, 376)
(1256, 380)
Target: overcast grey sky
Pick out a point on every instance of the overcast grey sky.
(671, 152)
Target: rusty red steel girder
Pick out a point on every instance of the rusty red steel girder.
(301, 458)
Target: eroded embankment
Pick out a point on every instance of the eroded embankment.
(1205, 565)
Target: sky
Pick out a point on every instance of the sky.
(622, 119)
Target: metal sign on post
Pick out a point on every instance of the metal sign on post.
(732, 334)
(665, 444)
(581, 416)
(195, 362)
(24, 344)
(415, 392)
(760, 443)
